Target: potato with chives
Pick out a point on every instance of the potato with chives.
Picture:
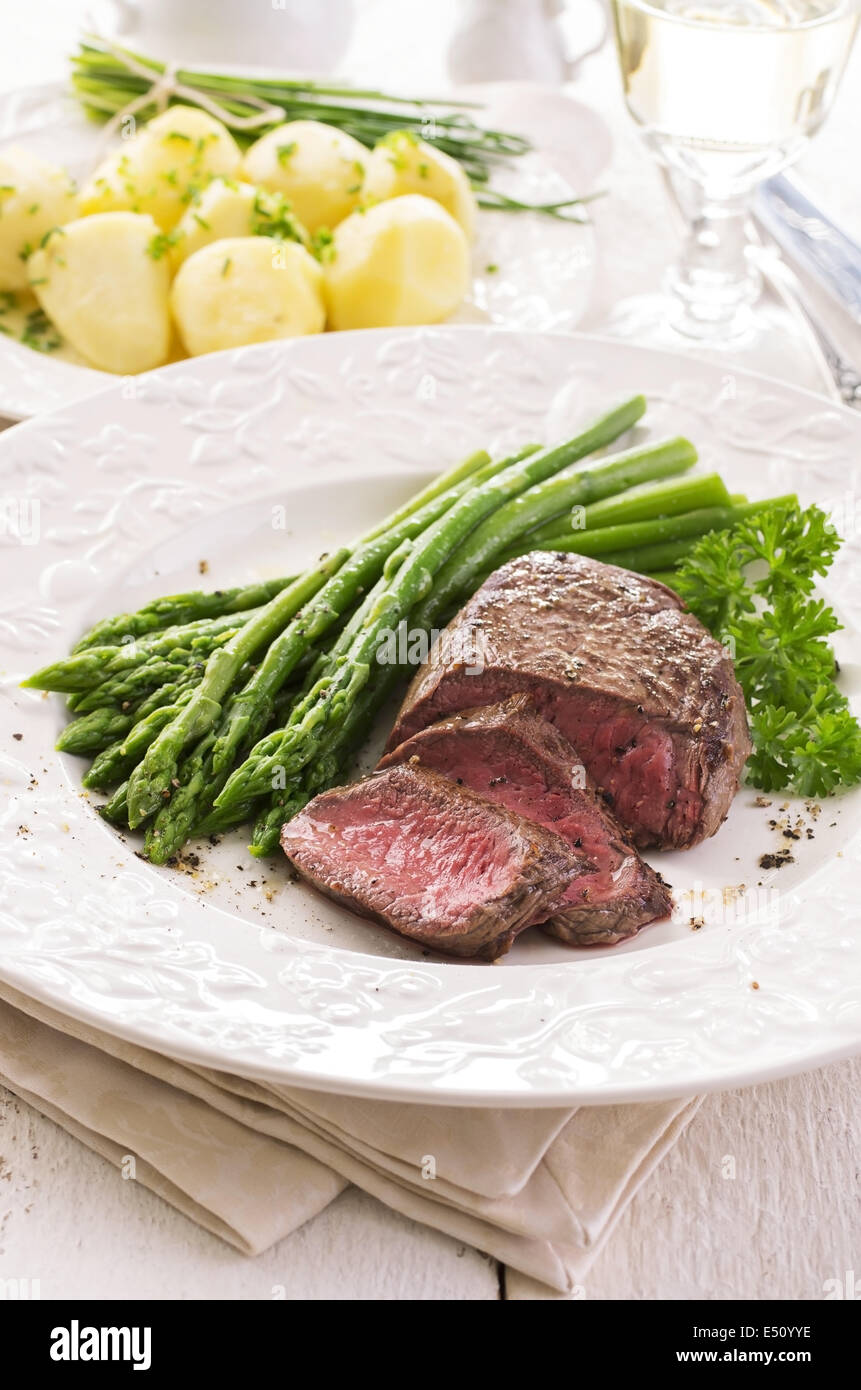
(401, 262)
(246, 290)
(402, 163)
(320, 169)
(34, 197)
(98, 282)
(228, 208)
(164, 168)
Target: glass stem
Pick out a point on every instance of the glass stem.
(714, 281)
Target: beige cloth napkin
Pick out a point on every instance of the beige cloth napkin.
(540, 1190)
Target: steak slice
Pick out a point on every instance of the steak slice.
(511, 755)
(435, 861)
(645, 694)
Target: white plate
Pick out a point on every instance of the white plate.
(543, 267)
(232, 965)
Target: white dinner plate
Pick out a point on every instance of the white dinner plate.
(529, 271)
(226, 961)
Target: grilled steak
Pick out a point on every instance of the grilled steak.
(511, 755)
(646, 696)
(435, 861)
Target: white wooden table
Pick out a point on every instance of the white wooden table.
(789, 1219)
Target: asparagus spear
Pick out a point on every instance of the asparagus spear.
(93, 732)
(219, 821)
(668, 498)
(177, 609)
(116, 763)
(644, 559)
(97, 666)
(175, 822)
(115, 809)
(667, 554)
(614, 540)
(333, 695)
(125, 689)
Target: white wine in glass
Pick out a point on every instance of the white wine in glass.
(727, 92)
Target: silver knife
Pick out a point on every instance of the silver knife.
(842, 377)
(811, 240)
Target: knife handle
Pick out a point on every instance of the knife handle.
(811, 240)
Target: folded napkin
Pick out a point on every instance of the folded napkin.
(540, 1190)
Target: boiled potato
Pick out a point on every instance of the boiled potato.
(404, 164)
(404, 261)
(230, 209)
(34, 197)
(319, 168)
(164, 168)
(97, 280)
(246, 290)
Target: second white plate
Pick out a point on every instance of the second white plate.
(529, 271)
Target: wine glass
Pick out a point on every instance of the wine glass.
(726, 93)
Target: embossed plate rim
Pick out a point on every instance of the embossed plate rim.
(678, 1018)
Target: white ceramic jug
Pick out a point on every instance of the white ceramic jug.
(500, 40)
(283, 35)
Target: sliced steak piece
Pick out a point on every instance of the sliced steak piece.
(435, 861)
(511, 755)
(646, 696)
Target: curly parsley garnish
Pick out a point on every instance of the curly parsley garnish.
(753, 587)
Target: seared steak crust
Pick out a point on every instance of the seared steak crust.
(435, 861)
(509, 753)
(644, 693)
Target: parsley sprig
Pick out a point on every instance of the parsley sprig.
(753, 587)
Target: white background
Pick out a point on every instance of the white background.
(789, 1219)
